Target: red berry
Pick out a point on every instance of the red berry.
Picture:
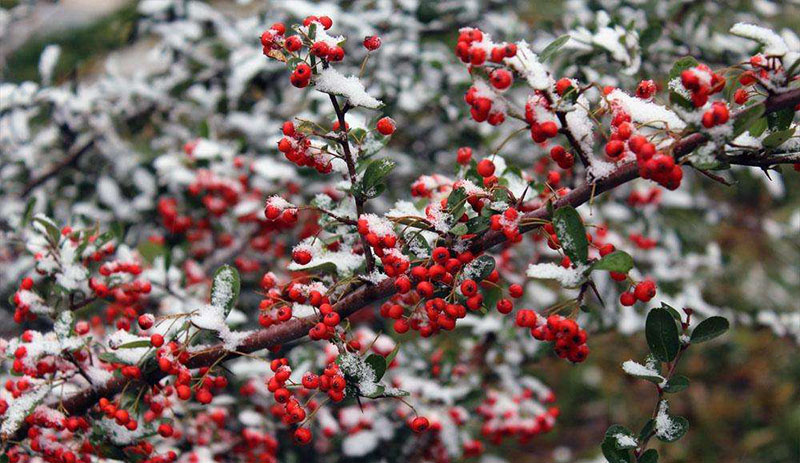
(419, 424)
(386, 126)
(157, 340)
(302, 436)
(372, 42)
(485, 168)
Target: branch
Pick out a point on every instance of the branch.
(72, 158)
(364, 295)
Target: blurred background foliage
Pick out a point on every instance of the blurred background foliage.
(744, 400)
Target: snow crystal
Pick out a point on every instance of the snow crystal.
(19, 408)
(212, 317)
(645, 112)
(637, 369)
(279, 202)
(222, 292)
(355, 367)
(567, 277)
(527, 64)
(773, 43)
(331, 81)
(375, 277)
(625, 441)
(666, 427)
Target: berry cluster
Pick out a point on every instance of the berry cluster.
(701, 82)
(643, 291)
(299, 149)
(569, 338)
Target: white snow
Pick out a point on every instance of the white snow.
(567, 277)
(625, 441)
(637, 369)
(646, 112)
(666, 427)
(774, 45)
(20, 407)
(527, 64)
(331, 81)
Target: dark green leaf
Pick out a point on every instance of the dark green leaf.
(746, 118)
(676, 384)
(681, 65)
(676, 98)
(550, 50)
(647, 429)
(650, 35)
(780, 120)
(135, 344)
(758, 127)
(459, 229)
(392, 354)
(149, 250)
(617, 261)
(662, 335)
(52, 230)
(225, 288)
(653, 378)
(26, 216)
(649, 456)
(678, 429)
(477, 224)
(378, 365)
(373, 182)
(776, 139)
(571, 234)
(672, 310)
(709, 329)
(483, 265)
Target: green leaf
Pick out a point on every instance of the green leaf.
(662, 335)
(676, 98)
(379, 390)
(459, 229)
(650, 35)
(484, 265)
(649, 456)
(680, 426)
(780, 120)
(655, 379)
(709, 329)
(477, 224)
(617, 261)
(392, 354)
(135, 344)
(687, 62)
(571, 233)
(758, 127)
(225, 288)
(647, 429)
(50, 227)
(792, 68)
(672, 311)
(26, 216)
(150, 250)
(676, 384)
(378, 365)
(550, 50)
(746, 118)
(610, 446)
(776, 139)
(373, 184)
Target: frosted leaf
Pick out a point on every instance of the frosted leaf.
(625, 441)
(527, 64)
(666, 427)
(774, 45)
(47, 62)
(567, 277)
(331, 81)
(355, 368)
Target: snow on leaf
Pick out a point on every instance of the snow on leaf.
(332, 81)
